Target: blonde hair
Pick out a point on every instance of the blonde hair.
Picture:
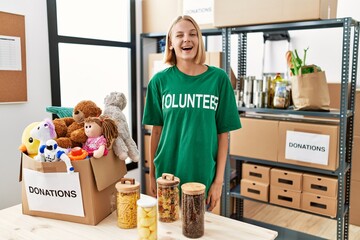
(108, 127)
(170, 57)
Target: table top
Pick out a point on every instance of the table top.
(15, 225)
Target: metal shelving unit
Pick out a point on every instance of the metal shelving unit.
(345, 116)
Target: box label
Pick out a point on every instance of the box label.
(307, 147)
(201, 10)
(53, 192)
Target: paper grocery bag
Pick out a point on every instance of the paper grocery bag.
(310, 92)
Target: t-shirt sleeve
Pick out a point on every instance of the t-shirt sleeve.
(152, 111)
(227, 115)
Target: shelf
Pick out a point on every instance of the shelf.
(235, 192)
(330, 114)
(291, 166)
(329, 23)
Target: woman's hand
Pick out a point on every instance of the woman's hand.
(214, 195)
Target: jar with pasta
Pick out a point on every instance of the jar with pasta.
(128, 192)
(147, 218)
(168, 197)
(193, 209)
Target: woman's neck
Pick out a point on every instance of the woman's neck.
(191, 68)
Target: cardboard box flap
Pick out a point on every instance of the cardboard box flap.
(107, 170)
(44, 167)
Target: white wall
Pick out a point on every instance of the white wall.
(15, 117)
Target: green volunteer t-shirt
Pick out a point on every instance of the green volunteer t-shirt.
(192, 111)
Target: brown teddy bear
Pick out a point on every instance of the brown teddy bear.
(70, 130)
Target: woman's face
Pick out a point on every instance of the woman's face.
(184, 40)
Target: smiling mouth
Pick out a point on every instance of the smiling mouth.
(186, 48)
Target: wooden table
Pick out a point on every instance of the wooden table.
(15, 225)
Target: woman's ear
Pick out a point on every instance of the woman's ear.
(171, 47)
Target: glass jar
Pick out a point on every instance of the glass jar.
(193, 209)
(147, 218)
(281, 95)
(168, 197)
(128, 192)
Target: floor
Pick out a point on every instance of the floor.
(302, 225)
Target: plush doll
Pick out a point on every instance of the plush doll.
(124, 146)
(101, 131)
(44, 131)
(51, 152)
(29, 145)
(75, 134)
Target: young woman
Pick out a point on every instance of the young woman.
(192, 108)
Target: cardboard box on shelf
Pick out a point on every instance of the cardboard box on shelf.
(255, 190)
(242, 12)
(320, 185)
(87, 198)
(354, 203)
(310, 145)
(355, 166)
(285, 197)
(286, 179)
(157, 15)
(256, 139)
(319, 204)
(334, 93)
(256, 173)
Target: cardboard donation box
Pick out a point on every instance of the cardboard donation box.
(86, 196)
(309, 145)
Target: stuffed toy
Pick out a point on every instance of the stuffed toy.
(124, 146)
(101, 131)
(44, 131)
(75, 135)
(51, 152)
(29, 145)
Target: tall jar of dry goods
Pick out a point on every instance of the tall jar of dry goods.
(168, 197)
(193, 209)
(128, 192)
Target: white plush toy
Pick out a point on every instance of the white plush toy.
(124, 146)
(44, 131)
(51, 152)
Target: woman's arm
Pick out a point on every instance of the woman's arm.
(216, 187)
(154, 141)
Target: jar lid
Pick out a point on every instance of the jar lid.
(146, 201)
(168, 179)
(193, 188)
(127, 185)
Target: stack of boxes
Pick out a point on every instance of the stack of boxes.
(255, 181)
(286, 187)
(292, 189)
(319, 195)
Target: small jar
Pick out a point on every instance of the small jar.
(128, 192)
(147, 218)
(193, 209)
(168, 197)
(281, 95)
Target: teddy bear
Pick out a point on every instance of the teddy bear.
(124, 146)
(75, 136)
